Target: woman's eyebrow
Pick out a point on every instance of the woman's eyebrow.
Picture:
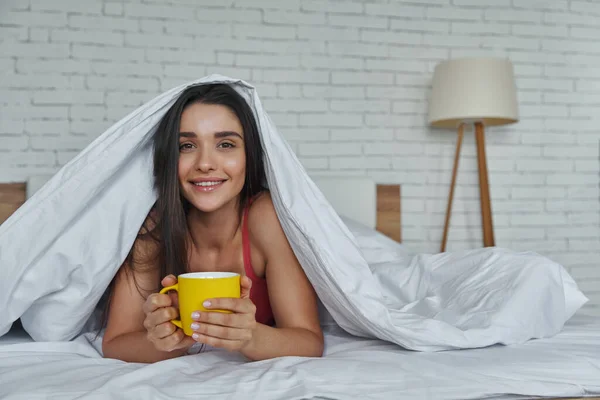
(218, 135)
(223, 134)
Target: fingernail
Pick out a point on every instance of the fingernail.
(195, 325)
(195, 336)
(206, 303)
(195, 315)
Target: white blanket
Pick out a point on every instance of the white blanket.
(60, 250)
(567, 364)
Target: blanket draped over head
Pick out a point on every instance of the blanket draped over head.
(61, 249)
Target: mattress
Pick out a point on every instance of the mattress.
(567, 365)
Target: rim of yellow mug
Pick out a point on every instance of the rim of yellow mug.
(208, 275)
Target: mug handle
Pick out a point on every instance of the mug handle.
(176, 322)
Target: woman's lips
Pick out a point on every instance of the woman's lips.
(207, 186)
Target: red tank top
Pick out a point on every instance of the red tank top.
(258, 293)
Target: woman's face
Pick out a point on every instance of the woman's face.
(212, 160)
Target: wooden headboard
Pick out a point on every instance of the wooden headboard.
(389, 211)
(12, 195)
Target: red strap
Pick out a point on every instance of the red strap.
(246, 245)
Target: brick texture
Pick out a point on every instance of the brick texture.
(347, 83)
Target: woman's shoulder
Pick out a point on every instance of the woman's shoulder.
(261, 202)
(260, 207)
(263, 222)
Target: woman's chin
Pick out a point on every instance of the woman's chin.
(207, 207)
(209, 203)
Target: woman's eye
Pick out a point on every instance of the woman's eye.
(185, 146)
(226, 145)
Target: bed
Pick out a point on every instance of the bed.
(564, 366)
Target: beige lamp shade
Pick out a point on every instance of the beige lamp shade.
(473, 90)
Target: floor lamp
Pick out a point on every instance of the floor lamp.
(476, 92)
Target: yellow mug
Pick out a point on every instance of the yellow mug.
(195, 287)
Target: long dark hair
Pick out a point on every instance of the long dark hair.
(166, 224)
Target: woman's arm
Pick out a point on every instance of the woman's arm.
(292, 297)
(126, 337)
(269, 342)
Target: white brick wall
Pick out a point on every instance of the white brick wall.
(347, 83)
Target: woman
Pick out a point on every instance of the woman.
(212, 214)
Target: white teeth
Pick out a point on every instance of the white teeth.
(207, 183)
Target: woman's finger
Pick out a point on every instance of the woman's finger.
(168, 280)
(156, 301)
(241, 306)
(221, 332)
(245, 286)
(163, 330)
(162, 315)
(223, 319)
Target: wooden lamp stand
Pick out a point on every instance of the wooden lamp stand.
(484, 187)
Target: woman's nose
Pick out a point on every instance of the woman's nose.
(205, 161)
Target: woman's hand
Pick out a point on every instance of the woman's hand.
(160, 310)
(232, 331)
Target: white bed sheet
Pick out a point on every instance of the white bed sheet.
(353, 368)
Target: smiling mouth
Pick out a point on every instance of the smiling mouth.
(207, 186)
(204, 184)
